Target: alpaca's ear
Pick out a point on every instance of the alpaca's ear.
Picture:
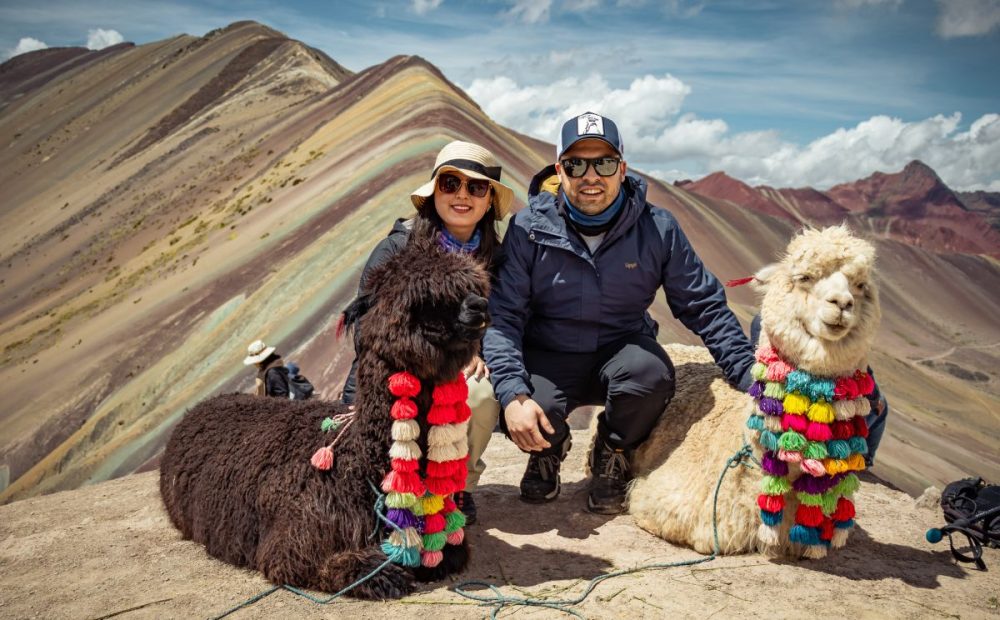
(765, 275)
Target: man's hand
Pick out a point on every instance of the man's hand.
(476, 368)
(523, 417)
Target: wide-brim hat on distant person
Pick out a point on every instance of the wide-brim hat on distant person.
(257, 352)
(474, 162)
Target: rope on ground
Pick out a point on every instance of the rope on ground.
(499, 600)
(379, 510)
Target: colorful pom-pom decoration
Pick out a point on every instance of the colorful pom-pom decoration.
(322, 459)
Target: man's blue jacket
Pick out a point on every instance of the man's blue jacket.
(552, 294)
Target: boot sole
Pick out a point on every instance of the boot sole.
(604, 510)
(544, 499)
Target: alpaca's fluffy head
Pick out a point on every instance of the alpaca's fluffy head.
(821, 305)
(429, 311)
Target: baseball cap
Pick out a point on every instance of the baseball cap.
(589, 125)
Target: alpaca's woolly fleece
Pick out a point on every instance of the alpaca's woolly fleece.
(821, 461)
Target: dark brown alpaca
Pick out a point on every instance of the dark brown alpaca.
(236, 473)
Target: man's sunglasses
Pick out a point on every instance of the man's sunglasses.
(576, 167)
(450, 184)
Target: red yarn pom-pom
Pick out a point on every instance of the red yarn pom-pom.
(845, 510)
(403, 409)
(771, 503)
(443, 486)
(865, 383)
(846, 388)
(842, 429)
(323, 459)
(404, 384)
(434, 523)
(403, 482)
(441, 414)
(405, 465)
(449, 505)
(796, 422)
(462, 412)
(826, 529)
(444, 469)
(810, 516)
(449, 394)
(860, 426)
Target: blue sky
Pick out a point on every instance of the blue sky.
(786, 93)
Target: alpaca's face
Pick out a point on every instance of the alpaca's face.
(430, 313)
(821, 304)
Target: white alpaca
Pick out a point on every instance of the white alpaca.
(819, 311)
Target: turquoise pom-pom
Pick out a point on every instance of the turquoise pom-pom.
(769, 440)
(838, 449)
(755, 423)
(820, 389)
(404, 556)
(797, 381)
(859, 445)
(804, 535)
(771, 518)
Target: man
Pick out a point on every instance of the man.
(583, 263)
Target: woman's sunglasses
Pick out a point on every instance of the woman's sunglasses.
(576, 167)
(450, 184)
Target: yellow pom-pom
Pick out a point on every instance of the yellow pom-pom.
(822, 412)
(796, 403)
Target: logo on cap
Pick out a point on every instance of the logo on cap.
(589, 124)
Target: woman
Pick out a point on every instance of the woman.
(459, 207)
(272, 376)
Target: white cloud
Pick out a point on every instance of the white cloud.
(530, 11)
(99, 38)
(422, 7)
(26, 44)
(857, 4)
(967, 18)
(580, 6)
(659, 137)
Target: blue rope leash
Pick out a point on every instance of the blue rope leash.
(379, 509)
(499, 600)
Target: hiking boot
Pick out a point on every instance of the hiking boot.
(463, 499)
(611, 471)
(540, 483)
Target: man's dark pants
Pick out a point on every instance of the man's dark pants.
(632, 377)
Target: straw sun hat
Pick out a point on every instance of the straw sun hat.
(474, 162)
(257, 352)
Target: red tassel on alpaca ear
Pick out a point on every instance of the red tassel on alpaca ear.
(739, 282)
(323, 459)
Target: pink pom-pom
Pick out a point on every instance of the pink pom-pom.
(456, 537)
(777, 371)
(789, 456)
(813, 467)
(441, 413)
(405, 465)
(430, 559)
(404, 384)
(766, 355)
(403, 482)
(434, 523)
(403, 409)
(796, 422)
(817, 431)
(323, 459)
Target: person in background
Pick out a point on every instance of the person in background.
(459, 207)
(582, 264)
(272, 376)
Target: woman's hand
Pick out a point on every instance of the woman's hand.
(476, 368)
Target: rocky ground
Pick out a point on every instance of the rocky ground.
(108, 550)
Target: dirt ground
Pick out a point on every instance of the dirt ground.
(108, 550)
